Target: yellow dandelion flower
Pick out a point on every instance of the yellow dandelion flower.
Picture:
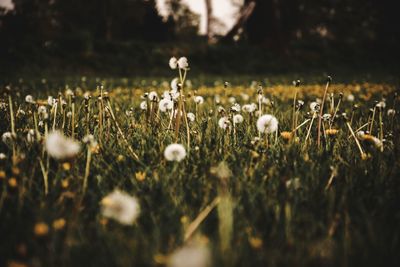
(12, 182)
(286, 135)
(331, 132)
(140, 176)
(59, 224)
(255, 242)
(66, 166)
(41, 229)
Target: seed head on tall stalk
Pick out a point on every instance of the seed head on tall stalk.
(328, 82)
(294, 119)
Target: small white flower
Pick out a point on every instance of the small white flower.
(224, 123)
(326, 117)
(220, 109)
(315, 107)
(60, 147)
(217, 99)
(69, 92)
(7, 138)
(174, 84)
(267, 124)
(237, 119)
(121, 207)
(42, 111)
(249, 108)
(350, 97)
(143, 105)
(381, 104)
(173, 63)
(2, 156)
(190, 256)
(232, 100)
(166, 95)
(183, 63)
(165, 104)
(29, 99)
(191, 117)
(245, 97)
(266, 101)
(235, 107)
(30, 137)
(175, 152)
(198, 99)
(90, 140)
(69, 114)
(50, 101)
(391, 112)
(153, 96)
(360, 134)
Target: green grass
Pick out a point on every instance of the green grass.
(355, 221)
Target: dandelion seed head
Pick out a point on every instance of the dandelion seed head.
(61, 147)
(237, 119)
(153, 96)
(224, 123)
(120, 207)
(175, 152)
(267, 124)
(190, 256)
(143, 105)
(315, 107)
(183, 63)
(191, 117)
(29, 99)
(198, 99)
(165, 104)
(173, 63)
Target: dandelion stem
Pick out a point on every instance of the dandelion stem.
(355, 139)
(372, 120)
(45, 177)
(134, 155)
(87, 168)
(322, 110)
(301, 125)
(200, 218)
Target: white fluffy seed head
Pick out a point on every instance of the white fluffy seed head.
(121, 207)
(224, 123)
(191, 117)
(165, 104)
(183, 63)
(60, 147)
(267, 124)
(175, 152)
(143, 105)
(315, 106)
(174, 84)
(29, 99)
(249, 108)
(190, 256)
(198, 99)
(237, 119)
(153, 96)
(173, 63)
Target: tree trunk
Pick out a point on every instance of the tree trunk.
(208, 19)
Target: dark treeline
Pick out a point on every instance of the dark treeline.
(47, 32)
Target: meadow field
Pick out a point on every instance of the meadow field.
(194, 173)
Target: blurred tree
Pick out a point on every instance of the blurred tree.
(185, 21)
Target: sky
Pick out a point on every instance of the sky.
(223, 10)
